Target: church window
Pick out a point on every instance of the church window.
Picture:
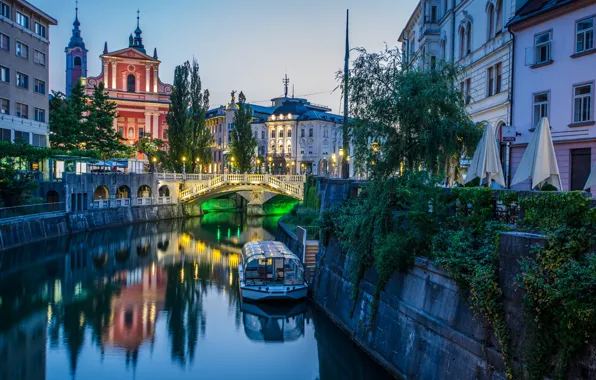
(131, 83)
(77, 62)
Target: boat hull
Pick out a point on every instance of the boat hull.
(273, 292)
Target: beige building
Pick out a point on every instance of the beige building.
(24, 72)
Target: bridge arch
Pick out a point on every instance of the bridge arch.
(101, 192)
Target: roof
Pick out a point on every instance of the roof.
(325, 116)
(408, 24)
(50, 19)
(534, 8)
(266, 249)
(295, 107)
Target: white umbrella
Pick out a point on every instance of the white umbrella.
(539, 161)
(486, 162)
(591, 182)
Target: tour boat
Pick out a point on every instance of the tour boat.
(268, 270)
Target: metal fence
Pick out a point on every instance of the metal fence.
(312, 232)
(40, 208)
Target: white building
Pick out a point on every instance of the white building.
(473, 35)
(555, 77)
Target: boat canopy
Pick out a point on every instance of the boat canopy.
(266, 250)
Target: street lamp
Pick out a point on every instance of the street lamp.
(259, 164)
(197, 160)
(183, 165)
(333, 159)
(270, 159)
(154, 160)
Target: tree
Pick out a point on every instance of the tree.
(101, 136)
(200, 139)
(244, 144)
(67, 120)
(151, 148)
(407, 118)
(179, 126)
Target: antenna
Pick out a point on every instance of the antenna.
(286, 82)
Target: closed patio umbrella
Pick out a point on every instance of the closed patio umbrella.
(591, 182)
(539, 161)
(486, 162)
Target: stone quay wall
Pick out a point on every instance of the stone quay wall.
(424, 327)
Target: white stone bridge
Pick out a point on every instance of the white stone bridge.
(255, 188)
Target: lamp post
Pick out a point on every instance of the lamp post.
(197, 169)
(333, 160)
(232, 160)
(259, 164)
(341, 162)
(154, 160)
(183, 165)
(270, 159)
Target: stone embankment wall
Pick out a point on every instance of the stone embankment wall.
(424, 327)
(19, 231)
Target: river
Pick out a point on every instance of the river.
(160, 301)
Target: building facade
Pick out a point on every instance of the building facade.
(555, 77)
(131, 79)
(24, 72)
(473, 35)
(294, 136)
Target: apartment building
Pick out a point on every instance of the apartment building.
(24, 72)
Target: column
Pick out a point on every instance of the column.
(155, 79)
(147, 78)
(156, 126)
(105, 74)
(114, 86)
(115, 124)
(123, 82)
(147, 122)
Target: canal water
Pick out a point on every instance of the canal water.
(160, 301)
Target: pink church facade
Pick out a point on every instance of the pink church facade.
(554, 76)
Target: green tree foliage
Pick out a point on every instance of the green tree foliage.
(100, 135)
(407, 117)
(244, 144)
(188, 135)
(151, 148)
(80, 123)
(200, 138)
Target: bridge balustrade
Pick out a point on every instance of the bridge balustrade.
(144, 201)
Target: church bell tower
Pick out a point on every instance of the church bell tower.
(76, 56)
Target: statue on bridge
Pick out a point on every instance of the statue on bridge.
(233, 97)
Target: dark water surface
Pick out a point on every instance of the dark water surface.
(159, 301)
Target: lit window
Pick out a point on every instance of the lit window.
(542, 48)
(540, 107)
(584, 35)
(22, 20)
(582, 103)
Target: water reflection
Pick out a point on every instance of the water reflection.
(149, 301)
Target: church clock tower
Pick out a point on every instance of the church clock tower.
(76, 56)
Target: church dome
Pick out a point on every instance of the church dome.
(291, 106)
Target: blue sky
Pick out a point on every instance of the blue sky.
(240, 45)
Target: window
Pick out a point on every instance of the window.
(498, 77)
(77, 62)
(40, 115)
(5, 10)
(281, 133)
(584, 35)
(325, 133)
(499, 10)
(4, 42)
(302, 132)
(22, 80)
(433, 14)
(542, 48)
(131, 133)
(18, 135)
(462, 41)
(121, 131)
(469, 38)
(468, 98)
(262, 135)
(491, 81)
(582, 103)
(131, 83)
(490, 13)
(39, 140)
(22, 110)
(272, 134)
(40, 87)
(444, 50)
(5, 134)
(141, 133)
(433, 62)
(40, 29)
(4, 107)
(4, 74)
(22, 50)
(540, 107)
(22, 20)
(290, 133)
(39, 58)
(310, 132)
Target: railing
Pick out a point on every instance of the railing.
(312, 232)
(120, 202)
(291, 185)
(100, 203)
(41, 208)
(164, 200)
(144, 201)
